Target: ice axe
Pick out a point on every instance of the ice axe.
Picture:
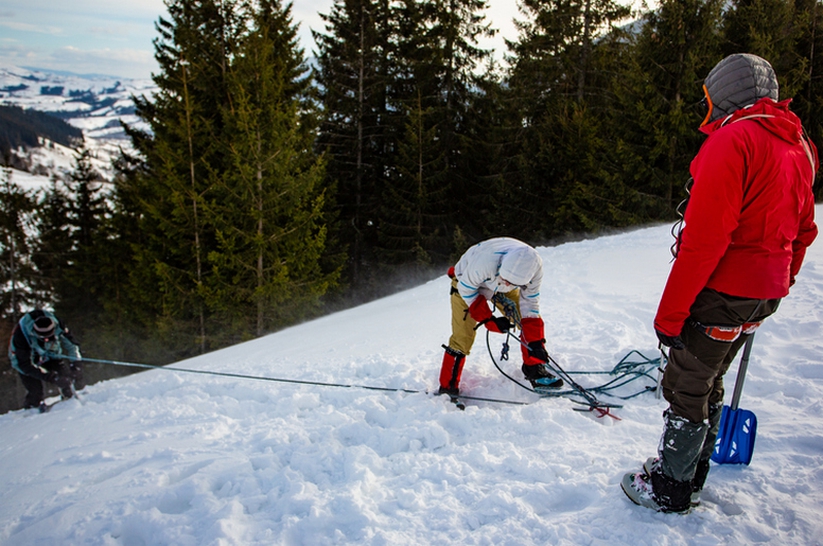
(738, 427)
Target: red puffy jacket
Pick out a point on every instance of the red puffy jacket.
(750, 216)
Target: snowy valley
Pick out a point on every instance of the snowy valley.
(93, 103)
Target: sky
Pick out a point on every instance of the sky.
(114, 37)
(172, 458)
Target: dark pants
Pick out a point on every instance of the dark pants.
(34, 386)
(693, 380)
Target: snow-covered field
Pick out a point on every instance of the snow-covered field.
(94, 104)
(173, 458)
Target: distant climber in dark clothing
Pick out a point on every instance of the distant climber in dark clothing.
(37, 342)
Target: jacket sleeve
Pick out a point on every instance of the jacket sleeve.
(807, 231)
(530, 296)
(22, 356)
(477, 272)
(69, 344)
(805, 237)
(711, 216)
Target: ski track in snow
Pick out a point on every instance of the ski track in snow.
(170, 458)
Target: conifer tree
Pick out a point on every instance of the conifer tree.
(270, 228)
(658, 88)
(487, 162)
(433, 90)
(766, 28)
(183, 165)
(415, 206)
(352, 78)
(82, 280)
(50, 252)
(808, 96)
(16, 272)
(555, 106)
(787, 34)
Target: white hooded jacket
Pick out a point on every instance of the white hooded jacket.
(481, 269)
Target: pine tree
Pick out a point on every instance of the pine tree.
(183, 164)
(270, 227)
(353, 78)
(658, 88)
(555, 104)
(808, 96)
(415, 206)
(787, 34)
(50, 252)
(487, 160)
(83, 280)
(433, 89)
(16, 271)
(129, 330)
(765, 28)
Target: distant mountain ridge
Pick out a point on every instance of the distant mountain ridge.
(25, 128)
(94, 104)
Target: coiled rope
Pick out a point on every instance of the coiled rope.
(625, 372)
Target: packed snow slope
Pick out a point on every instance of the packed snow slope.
(173, 458)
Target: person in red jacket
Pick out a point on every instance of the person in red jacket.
(748, 222)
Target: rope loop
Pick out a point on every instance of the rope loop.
(626, 371)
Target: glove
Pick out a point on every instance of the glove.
(500, 325)
(537, 350)
(675, 342)
(62, 382)
(480, 312)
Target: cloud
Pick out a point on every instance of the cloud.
(125, 62)
(27, 27)
(137, 62)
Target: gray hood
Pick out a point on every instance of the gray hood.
(738, 81)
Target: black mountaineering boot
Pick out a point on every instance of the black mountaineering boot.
(540, 377)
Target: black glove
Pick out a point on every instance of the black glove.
(501, 325)
(538, 351)
(675, 342)
(63, 382)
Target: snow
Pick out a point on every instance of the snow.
(30, 182)
(174, 458)
(94, 104)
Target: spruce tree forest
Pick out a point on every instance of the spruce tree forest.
(276, 184)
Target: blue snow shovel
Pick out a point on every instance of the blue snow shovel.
(738, 427)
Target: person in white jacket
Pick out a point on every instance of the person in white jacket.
(496, 266)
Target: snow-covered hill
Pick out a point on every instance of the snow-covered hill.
(95, 104)
(173, 458)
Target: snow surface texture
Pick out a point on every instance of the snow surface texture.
(172, 458)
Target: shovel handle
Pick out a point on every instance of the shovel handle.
(741, 372)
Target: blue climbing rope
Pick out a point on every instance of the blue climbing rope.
(632, 367)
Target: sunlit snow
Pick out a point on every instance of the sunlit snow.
(173, 458)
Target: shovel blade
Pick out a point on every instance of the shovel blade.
(735, 439)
